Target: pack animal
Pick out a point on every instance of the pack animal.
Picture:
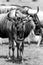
(7, 27)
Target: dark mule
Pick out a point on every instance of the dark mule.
(23, 30)
(7, 27)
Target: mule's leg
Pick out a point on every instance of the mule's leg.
(39, 41)
(9, 55)
(13, 48)
(17, 50)
(20, 54)
(10, 43)
(21, 50)
(17, 53)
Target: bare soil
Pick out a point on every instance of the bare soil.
(33, 55)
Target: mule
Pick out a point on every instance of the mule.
(8, 27)
(23, 30)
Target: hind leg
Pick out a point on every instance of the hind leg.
(21, 51)
(17, 50)
(13, 48)
(10, 46)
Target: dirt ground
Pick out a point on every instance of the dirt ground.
(33, 55)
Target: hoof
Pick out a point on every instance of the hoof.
(13, 57)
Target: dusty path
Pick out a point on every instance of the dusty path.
(33, 55)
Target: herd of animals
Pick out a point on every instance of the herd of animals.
(21, 24)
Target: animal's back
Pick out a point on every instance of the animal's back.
(3, 17)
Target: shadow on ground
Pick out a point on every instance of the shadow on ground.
(13, 59)
(2, 56)
(17, 61)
